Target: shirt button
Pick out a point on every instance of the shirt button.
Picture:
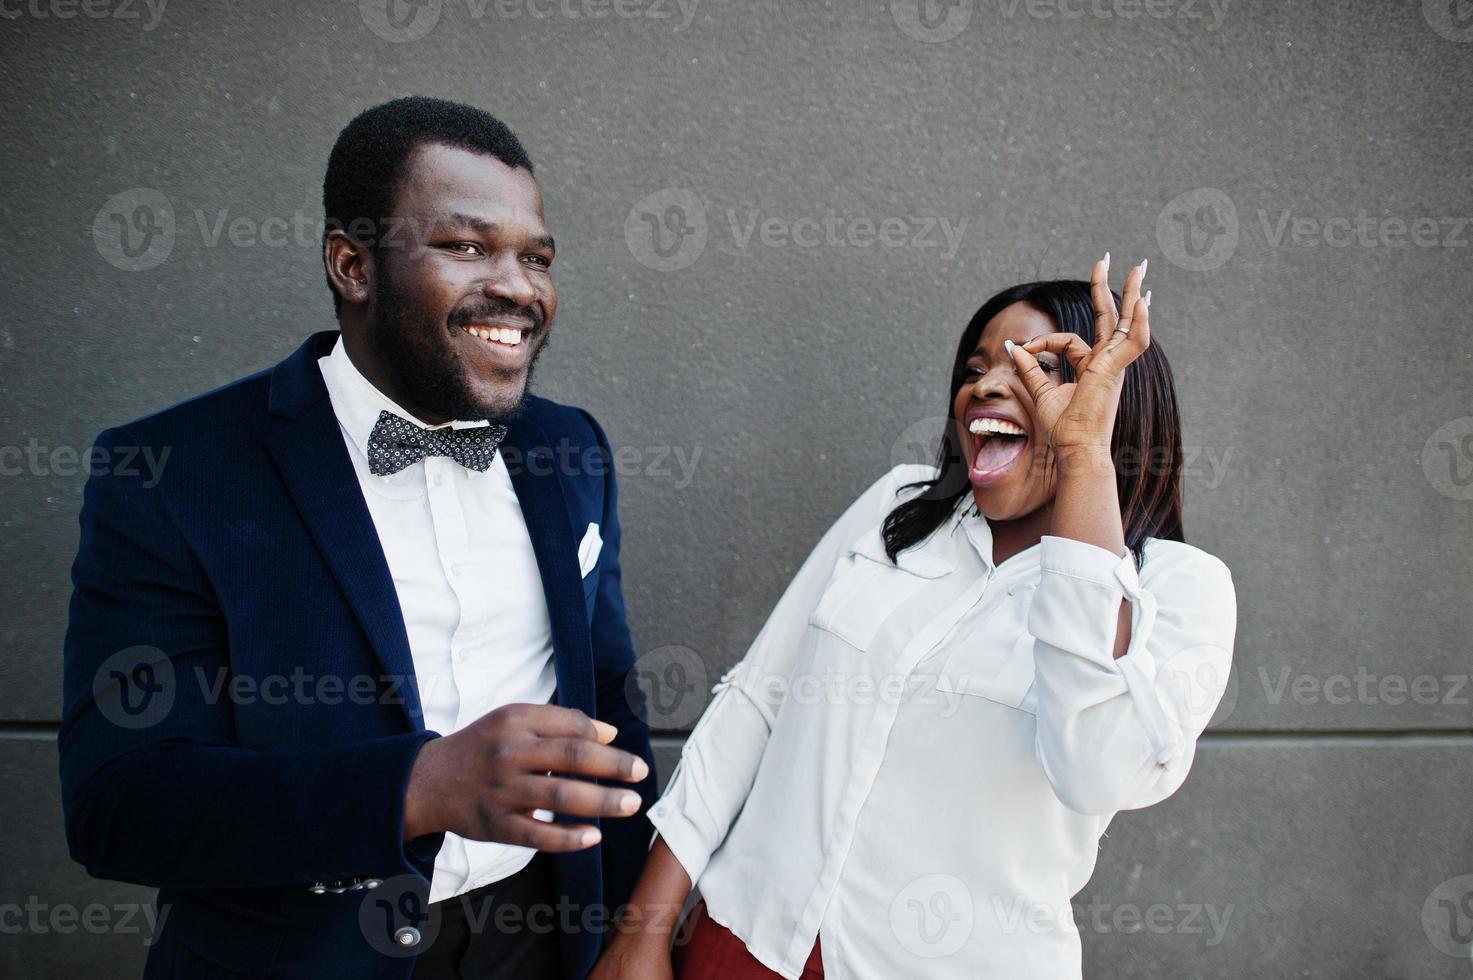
(437, 479)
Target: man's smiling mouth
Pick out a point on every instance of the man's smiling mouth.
(498, 336)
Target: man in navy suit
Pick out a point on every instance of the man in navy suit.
(350, 684)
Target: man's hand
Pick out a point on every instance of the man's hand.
(485, 781)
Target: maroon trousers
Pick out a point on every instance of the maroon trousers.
(713, 953)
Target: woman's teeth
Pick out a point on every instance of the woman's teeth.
(1000, 427)
(510, 336)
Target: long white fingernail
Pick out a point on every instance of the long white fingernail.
(1007, 345)
(1148, 299)
(1107, 261)
(1144, 263)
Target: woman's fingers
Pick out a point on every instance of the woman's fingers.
(1125, 347)
(1034, 378)
(1070, 345)
(1104, 303)
(1129, 294)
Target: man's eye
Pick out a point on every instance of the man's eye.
(464, 248)
(541, 260)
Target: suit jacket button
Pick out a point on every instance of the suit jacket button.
(318, 888)
(372, 883)
(407, 936)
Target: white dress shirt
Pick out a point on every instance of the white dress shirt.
(471, 595)
(918, 762)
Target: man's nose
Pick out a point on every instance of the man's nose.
(509, 281)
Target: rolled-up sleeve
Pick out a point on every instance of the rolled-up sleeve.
(720, 758)
(1119, 734)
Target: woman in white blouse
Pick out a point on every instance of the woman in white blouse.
(980, 664)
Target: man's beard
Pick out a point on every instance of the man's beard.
(426, 366)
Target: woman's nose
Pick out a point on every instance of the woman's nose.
(993, 384)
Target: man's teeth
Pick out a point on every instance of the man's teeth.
(510, 336)
(1000, 427)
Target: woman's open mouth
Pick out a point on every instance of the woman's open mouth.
(997, 445)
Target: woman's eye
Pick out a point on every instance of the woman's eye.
(1049, 366)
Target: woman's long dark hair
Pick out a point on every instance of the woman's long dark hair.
(1146, 445)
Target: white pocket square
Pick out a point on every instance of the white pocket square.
(588, 550)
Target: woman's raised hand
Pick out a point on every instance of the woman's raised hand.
(1078, 417)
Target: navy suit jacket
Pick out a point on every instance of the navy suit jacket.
(240, 709)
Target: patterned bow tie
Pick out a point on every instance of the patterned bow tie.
(397, 442)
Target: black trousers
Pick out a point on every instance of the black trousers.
(501, 931)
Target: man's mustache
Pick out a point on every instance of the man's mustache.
(491, 311)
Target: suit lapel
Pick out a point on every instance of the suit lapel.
(313, 462)
(539, 489)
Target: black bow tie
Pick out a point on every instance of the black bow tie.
(397, 442)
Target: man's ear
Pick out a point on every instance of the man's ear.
(349, 266)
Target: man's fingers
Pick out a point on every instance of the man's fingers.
(554, 721)
(525, 831)
(575, 798)
(583, 757)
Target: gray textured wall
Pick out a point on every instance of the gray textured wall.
(1297, 173)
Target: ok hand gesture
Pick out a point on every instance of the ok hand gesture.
(1079, 416)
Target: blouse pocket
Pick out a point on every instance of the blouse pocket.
(867, 588)
(997, 666)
